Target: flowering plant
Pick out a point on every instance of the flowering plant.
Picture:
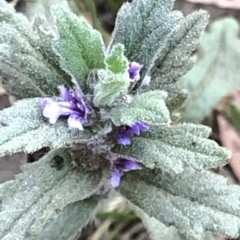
(106, 116)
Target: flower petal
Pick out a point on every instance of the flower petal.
(125, 165)
(134, 70)
(120, 166)
(135, 129)
(73, 105)
(83, 108)
(129, 165)
(142, 126)
(125, 132)
(53, 110)
(124, 140)
(74, 121)
(65, 93)
(44, 102)
(116, 178)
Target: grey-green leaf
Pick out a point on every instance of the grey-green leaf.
(113, 81)
(79, 46)
(70, 221)
(174, 148)
(173, 60)
(148, 107)
(110, 87)
(157, 230)
(160, 39)
(216, 72)
(116, 62)
(193, 202)
(39, 194)
(141, 27)
(22, 129)
(29, 67)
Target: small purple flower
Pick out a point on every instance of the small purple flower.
(71, 105)
(125, 132)
(134, 71)
(121, 166)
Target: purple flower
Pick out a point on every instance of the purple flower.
(134, 71)
(125, 132)
(121, 166)
(71, 105)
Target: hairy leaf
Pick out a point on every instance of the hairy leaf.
(40, 193)
(114, 80)
(216, 72)
(116, 61)
(22, 129)
(70, 221)
(176, 98)
(110, 87)
(79, 46)
(29, 68)
(45, 45)
(174, 60)
(160, 39)
(192, 201)
(142, 25)
(174, 148)
(148, 107)
(157, 230)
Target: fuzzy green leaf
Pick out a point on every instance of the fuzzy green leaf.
(116, 61)
(148, 107)
(158, 230)
(79, 46)
(160, 39)
(174, 61)
(216, 72)
(110, 87)
(174, 148)
(70, 221)
(28, 66)
(114, 80)
(142, 25)
(22, 129)
(193, 202)
(40, 193)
